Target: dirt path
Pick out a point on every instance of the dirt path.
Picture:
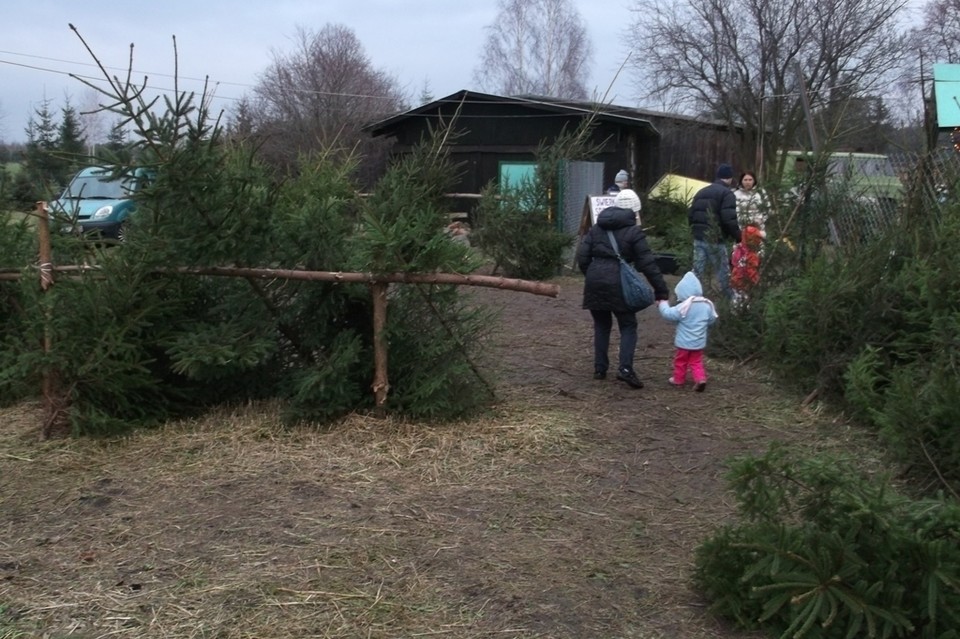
(652, 474)
(573, 513)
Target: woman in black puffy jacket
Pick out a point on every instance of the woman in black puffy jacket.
(601, 289)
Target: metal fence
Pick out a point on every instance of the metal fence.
(930, 182)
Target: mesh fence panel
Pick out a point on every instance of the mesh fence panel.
(930, 182)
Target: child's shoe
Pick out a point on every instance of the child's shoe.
(700, 386)
(674, 382)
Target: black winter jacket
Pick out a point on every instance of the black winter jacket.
(713, 214)
(598, 262)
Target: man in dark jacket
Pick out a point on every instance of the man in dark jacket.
(713, 220)
(602, 295)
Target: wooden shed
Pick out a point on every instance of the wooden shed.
(494, 130)
(497, 130)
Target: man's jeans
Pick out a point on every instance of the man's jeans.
(714, 254)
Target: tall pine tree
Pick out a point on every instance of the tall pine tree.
(40, 162)
(71, 143)
(117, 148)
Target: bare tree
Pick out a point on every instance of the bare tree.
(318, 96)
(939, 35)
(937, 39)
(743, 61)
(93, 118)
(536, 47)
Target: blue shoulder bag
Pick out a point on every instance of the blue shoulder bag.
(637, 292)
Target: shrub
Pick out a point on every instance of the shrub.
(134, 342)
(904, 378)
(823, 552)
(668, 230)
(514, 230)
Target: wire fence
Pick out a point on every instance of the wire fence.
(863, 207)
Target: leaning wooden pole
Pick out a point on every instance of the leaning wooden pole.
(489, 281)
(455, 279)
(381, 382)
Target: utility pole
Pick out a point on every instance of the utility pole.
(805, 101)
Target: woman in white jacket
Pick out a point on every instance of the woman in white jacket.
(752, 207)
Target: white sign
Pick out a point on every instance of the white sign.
(598, 203)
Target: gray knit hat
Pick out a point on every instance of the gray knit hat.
(622, 176)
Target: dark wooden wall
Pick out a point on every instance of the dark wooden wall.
(488, 132)
(695, 149)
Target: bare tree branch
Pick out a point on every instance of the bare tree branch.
(318, 96)
(537, 47)
(735, 60)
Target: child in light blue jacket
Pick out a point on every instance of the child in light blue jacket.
(693, 315)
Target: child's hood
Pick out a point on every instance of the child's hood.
(753, 237)
(688, 286)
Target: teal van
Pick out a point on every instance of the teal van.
(99, 201)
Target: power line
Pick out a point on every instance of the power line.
(121, 69)
(97, 79)
(165, 75)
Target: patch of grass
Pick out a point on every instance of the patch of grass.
(8, 628)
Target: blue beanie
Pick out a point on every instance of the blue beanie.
(724, 172)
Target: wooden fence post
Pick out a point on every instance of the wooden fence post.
(381, 384)
(45, 250)
(49, 376)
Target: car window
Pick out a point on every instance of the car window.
(99, 186)
(878, 167)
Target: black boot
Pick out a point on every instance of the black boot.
(627, 375)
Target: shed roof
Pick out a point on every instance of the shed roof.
(547, 106)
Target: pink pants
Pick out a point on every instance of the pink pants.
(692, 360)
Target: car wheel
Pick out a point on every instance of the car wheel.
(122, 233)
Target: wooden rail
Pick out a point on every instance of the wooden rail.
(378, 283)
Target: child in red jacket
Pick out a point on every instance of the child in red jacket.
(745, 264)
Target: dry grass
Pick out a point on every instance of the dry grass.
(234, 526)
(572, 510)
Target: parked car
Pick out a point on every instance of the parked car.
(99, 201)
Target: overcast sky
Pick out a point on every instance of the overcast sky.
(417, 41)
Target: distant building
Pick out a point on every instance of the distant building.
(499, 132)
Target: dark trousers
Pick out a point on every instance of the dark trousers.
(602, 324)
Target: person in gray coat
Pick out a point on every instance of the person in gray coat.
(602, 295)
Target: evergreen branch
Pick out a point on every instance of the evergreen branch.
(936, 469)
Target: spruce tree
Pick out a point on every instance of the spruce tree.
(137, 340)
(116, 150)
(71, 143)
(40, 161)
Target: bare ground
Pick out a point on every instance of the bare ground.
(572, 511)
